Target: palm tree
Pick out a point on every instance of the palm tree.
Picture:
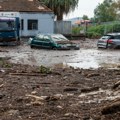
(60, 7)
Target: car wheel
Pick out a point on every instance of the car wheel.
(31, 46)
(54, 48)
(99, 48)
(77, 48)
(106, 46)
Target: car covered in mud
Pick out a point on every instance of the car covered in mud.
(111, 40)
(53, 41)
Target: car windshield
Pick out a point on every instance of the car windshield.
(7, 25)
(106, 37)
(59, 38)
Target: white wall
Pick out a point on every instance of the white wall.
(45, 23)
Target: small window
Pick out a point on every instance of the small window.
(117, 37)
(32, 24)
(22, 24)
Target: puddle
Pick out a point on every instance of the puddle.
(83, 58)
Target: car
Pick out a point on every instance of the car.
(52, 41)
(111, 40)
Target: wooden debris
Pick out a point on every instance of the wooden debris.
(85, 90)
(93, 75)
(27, 74)
(112, 108)
(1, 85)
(116, 85)
(37, 98)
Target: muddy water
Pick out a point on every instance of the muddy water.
(83, 58)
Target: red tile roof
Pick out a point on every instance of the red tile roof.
(23, 6)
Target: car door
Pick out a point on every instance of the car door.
(46, 42)
(38, 41)
(116, 41)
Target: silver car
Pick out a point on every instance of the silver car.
(111, 40)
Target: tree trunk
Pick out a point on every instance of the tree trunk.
(60, 16)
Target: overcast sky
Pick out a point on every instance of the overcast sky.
(85, 7)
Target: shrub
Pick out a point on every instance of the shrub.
(99, 30)
(76, 30)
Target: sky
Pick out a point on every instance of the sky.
(85, 7)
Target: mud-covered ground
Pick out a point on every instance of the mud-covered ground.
(42, 93)
(39, 93)
(87, 57)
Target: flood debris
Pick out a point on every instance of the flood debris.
(116, 85)
(71, 95)
(70, 89)
(1, 85)
(111, 108)
(85, 90)
(27, 74)
(2, 95)
(37, 98)
(93, 75)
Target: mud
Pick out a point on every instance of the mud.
(87, 57)
(29, 91)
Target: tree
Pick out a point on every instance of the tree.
(105, 11)
(116, 5)
(61, 7)
(85, 17)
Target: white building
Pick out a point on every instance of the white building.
(35, 17)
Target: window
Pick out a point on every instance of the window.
(7, 25)
(39, 37)
(22, 24)
(46, 38)
(32, 24)
(117, 37)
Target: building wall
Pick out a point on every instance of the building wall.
(45, 23)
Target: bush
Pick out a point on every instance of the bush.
(95, 31)
(99, 30)
(76, 30)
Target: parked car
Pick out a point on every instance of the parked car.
(52, 41)
(111, 40)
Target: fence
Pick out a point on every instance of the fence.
(63, 27)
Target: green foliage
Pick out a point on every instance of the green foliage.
(4, 63)
(45, 70)
(85, 17)
(105, 12)
(61, 7)
(76, 30)
(99, 30)
(95, 31)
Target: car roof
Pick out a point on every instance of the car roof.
(48, 34)
(113, 34)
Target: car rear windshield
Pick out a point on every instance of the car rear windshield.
(58, 38)
(106, 37)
